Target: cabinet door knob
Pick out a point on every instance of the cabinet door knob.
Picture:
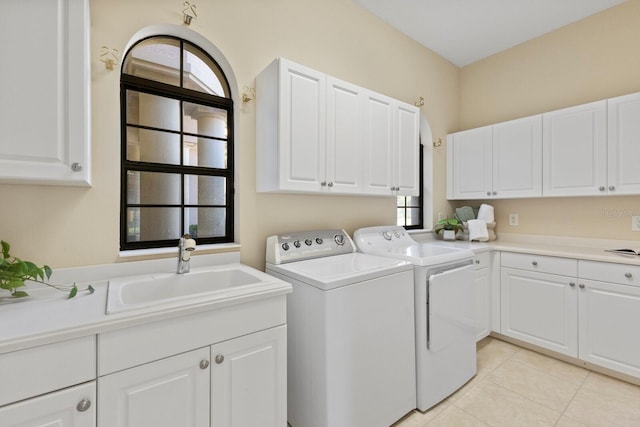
(611, 188)
(83, 405)
(628, 275)
(323, 183)
(330, 184)
(495, 193)
(477, 261)
(488, 193)
(219, 359)
(204, 364)
(601, 189)
(534, 263)
(581, 286)
(572, 284)
(76, 167)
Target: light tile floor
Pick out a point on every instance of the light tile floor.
(516, 387)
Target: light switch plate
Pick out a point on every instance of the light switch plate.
(513, 219)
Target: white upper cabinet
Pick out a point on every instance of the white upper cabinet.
(469, 163)
(497, 161)
(407, 152)
(575, 151)
(343, 169)
(44, 82)
(318, 134)
(517, 158)
(623, 144)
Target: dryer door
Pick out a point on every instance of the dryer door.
(451, 308)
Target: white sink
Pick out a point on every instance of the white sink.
(166, 290)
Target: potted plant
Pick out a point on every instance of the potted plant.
(14, 272)
(448, 227)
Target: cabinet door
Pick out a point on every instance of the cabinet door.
(302, 124)
(483, 296)
(541, 309)
(72, 407)
(471, 163)
(517, 158)
(609, 318)
(575, 151)
(344, 137)
(378, 131)
(407, 151)
(45, 81)
(624, 144)
(168, 393)
(249, 380)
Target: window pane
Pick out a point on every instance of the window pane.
(155, 59)
(205, 152)
(153, 188)
(413, 201)
(145, 224)
(205, 190)
(205, 222)
(201, 73)
(153, 111)
(204, 120)
(144, 145)
(413, 216)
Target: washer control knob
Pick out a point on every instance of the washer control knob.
(296, 243)
(285, 246)
(319, 240)
(386, 235)
(339, 238)
(308, 242)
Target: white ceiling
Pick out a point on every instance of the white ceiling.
(465, 31)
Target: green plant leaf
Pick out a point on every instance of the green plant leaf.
(90, 289)
(47, 271)
(19, 294)
(5, 249)
(73, 293)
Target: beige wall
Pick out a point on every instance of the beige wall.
(593, 59)
(65, 227)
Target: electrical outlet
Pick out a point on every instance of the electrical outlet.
(635, 223)
(513, 219)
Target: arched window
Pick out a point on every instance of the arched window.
(177, 146)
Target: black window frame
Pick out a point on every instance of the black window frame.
(404, 207)
(138, 84)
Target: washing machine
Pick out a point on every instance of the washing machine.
(350, 331)
(444, 280)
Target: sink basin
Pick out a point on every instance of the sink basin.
(166, 290)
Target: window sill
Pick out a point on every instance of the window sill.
(144, 254)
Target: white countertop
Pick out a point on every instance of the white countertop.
(566, 247)
(47, 316)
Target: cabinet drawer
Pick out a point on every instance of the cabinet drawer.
(482, 260)
(608, 272)
(38, 370)
(541, 263)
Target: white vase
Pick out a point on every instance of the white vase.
(448, 235)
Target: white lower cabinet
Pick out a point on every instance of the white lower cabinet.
(236, 383)
(249, 380)
(71, 407)
(538, 306)
(590, 312)
(166, 393)
(609, 316)
(483, 295)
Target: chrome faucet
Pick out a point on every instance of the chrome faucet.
(186, 245)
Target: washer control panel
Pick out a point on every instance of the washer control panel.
(383, 237)
(283, 248)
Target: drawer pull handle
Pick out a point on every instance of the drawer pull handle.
(477, 261)
(204, 364)
(572, 284)
(219, 359)
(83, 405)
(581, 286)
(535, 263)
(628, 275)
